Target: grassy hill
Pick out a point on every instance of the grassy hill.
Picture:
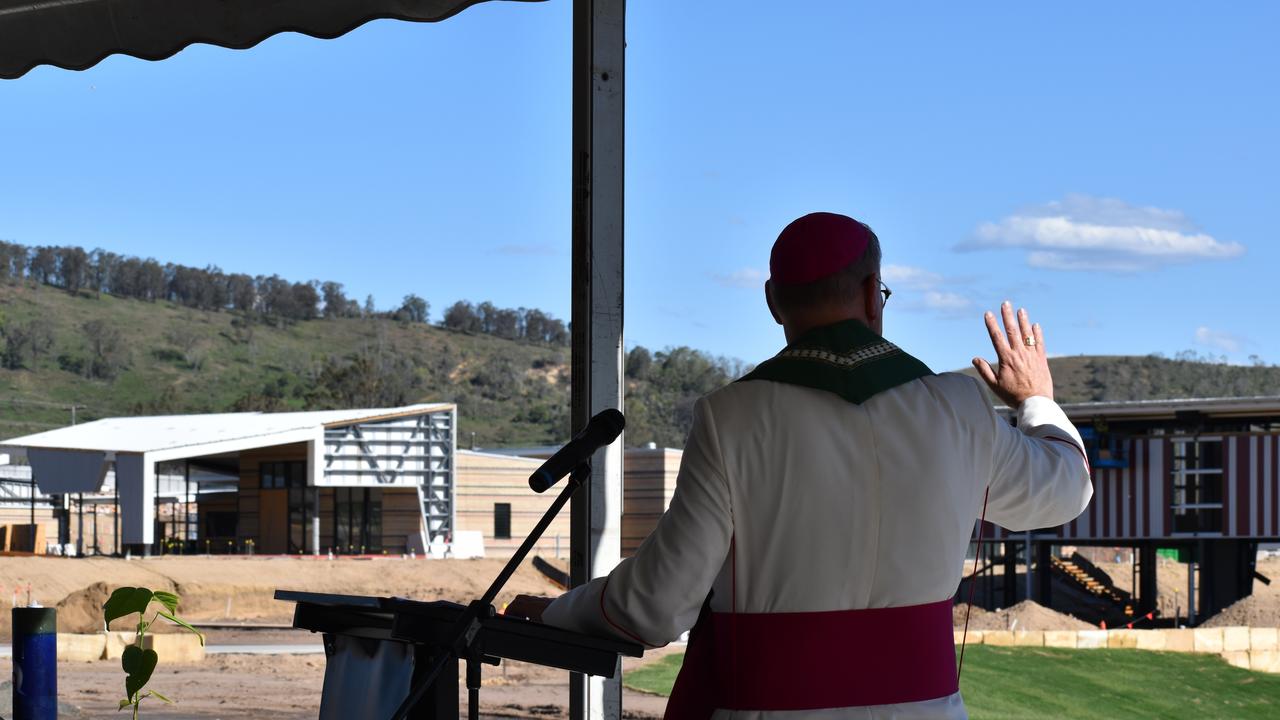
(178, 360)
(145, 357)
(1103, 378)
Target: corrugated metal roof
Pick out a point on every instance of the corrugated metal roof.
(168, 432)
(78, 34)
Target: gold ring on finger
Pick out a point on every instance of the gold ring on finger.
(1029, 341)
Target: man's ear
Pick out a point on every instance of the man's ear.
(768, 298)
(871, 298)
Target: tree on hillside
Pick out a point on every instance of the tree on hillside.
(486, 312)
(102, 271)
(413, 309)
(73, 268)
(639, 360)
(306, 301)
(13, 261)
(241, 293)
(367, 379)
(335, 301)
(369, 308)
(506, 324)
(461, 316)
(44, 265)
(188, 341)
(107, 353)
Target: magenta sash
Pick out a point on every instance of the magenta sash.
(816, 660)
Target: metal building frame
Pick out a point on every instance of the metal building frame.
(415, 451)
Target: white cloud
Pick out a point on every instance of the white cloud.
(1101, 234)
(907, 276)
(1220, 340)
(925, 290)
(946, 301)
(744, 278)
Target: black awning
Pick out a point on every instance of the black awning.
(78, 34)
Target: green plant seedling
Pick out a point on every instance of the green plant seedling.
(140, 664)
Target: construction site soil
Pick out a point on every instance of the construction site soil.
(241, 589)
(230, 591)
(1026, 615)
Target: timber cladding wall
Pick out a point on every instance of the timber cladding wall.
(648, 482)
(493, 494)
(263, 518)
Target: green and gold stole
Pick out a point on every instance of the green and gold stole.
(846, 358)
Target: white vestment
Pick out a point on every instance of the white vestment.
(833, 505)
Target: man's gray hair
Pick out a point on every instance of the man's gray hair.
(835, 288)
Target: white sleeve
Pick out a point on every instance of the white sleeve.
(1040, 473)
(654, 596)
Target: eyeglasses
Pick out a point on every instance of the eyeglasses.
(886, 292)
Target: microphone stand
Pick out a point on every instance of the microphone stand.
(462, 637)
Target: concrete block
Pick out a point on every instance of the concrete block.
(975, 637)
(175, 647)
(77, 647)
(1267, 661)
(1091, 639)
(1208, 640)
(1028, 638)
(1123, 638)
(1182, 640)
(1235, 639)
(116, 642)
(997, 637)
(1060, 638)
(1151, 639)
(1238, 658)
(1264, 639)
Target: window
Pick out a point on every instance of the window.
(280, 475)
(357, 520)
(502, 521)
(220, 524)
(1197, 486)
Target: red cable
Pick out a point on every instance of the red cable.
(973, 582)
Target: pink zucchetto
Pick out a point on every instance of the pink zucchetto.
(815, 246)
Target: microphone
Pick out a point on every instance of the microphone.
(601, 430)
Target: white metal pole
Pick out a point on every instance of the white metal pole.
(599, 48)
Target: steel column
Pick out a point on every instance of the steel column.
(599, 46)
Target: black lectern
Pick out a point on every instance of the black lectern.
(403, 655)
(377, 649)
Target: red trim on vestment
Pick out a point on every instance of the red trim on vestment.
(1073, 444)
(609, 620)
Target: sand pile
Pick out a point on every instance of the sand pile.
(81, 611)
(1257, 610)
(1026, 615)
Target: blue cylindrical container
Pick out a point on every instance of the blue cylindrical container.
(35, 664)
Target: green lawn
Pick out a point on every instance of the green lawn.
(1006, 683)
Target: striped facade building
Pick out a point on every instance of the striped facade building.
(1199, 477)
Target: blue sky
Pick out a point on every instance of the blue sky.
(1111, 168)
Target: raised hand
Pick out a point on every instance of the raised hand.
(1022, 368)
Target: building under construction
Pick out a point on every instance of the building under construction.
(1197, 480)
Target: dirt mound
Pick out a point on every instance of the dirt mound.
(81, 611)
(979, 618)
(1026, 615)
(1257, 610)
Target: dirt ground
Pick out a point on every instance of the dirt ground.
(238, 590)
(1262, 609)
(287, 687)
(1026, 615)
(241, 589)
